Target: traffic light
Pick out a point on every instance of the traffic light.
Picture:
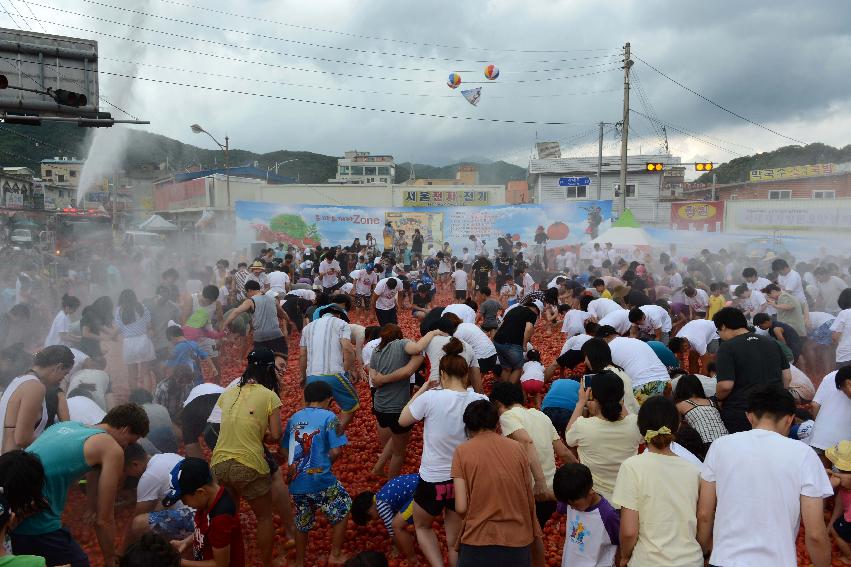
(703, 166)
(69, 98)
(655, 167)
(4, 82)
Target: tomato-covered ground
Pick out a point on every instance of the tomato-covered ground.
(353, 468)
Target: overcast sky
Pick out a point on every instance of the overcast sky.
(781, 63)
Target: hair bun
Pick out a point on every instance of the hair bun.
(454, 347)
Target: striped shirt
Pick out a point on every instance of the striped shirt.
(396, 497)
(137, 327)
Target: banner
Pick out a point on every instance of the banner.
(706, 216)
(791, 172)
(565, 224)
(432, 198)
(800, 215)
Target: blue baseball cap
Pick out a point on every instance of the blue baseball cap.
(187, 476)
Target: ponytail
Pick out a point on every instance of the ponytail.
(611, 410)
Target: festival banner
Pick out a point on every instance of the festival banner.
(706, 216)
(565, 224)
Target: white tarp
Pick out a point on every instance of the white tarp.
(157, 223)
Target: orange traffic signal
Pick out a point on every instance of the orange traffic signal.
(703, 166)
(655, 167)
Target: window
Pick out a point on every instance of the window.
(48, 173)
(73, 173)
(579, 192)
(357, 170)
(60, 178)
(344, 170)
(383, 171)
(369, 170)
(777, 195)
(824, 194)
(630, 189)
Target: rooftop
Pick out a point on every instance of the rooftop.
(589, 164)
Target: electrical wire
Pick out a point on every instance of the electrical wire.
(15, 7)
(34, 16)
(260, 49)
(302, 69)
(10, 16)
(687, 134)
(715, 104)
(377, 38)
(277, 38)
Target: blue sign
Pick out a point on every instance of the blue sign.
(573, 181)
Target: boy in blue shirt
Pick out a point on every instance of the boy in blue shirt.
(310, 445)
(187, 353)
(394, 505)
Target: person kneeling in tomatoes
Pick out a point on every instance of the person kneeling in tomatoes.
(394, 505)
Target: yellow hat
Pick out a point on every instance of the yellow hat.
(840, 455)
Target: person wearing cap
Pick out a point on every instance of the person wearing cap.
(217, 538)
(840, 522)
(258, 274)
(251, 415)
(67, 451)
(326, 355)
(266, 318)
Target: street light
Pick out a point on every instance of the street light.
(277, 163)
(196, 129)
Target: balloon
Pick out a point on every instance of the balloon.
(491, 72)
(454, 80)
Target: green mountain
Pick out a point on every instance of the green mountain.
(28, 145)
(737, 170)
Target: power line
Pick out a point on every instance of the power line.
(12, 2)
(298, 42)
(10, 16)
(303, 69)
(715, 104)
(260, 49)
(686, 133)
(34, 16)
(377, 38)
(327, 88)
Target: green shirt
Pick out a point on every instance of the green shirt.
(22, 561)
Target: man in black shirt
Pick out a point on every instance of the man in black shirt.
(512, 336)
(481, 272)
(504, 263)
(745, 360)
(782, 332)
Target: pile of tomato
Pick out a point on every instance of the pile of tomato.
(353, 468)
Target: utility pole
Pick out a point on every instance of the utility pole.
(227, 170)
(627, 65)
(600, 165)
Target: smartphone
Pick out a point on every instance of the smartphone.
(586, 380)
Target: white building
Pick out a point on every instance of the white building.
(556, 180)
(361, 167)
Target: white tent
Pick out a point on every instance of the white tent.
(157, 224)
(628, 239)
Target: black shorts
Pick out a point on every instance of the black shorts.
(278, 346)
(385, 316)
(193, 418)
(57, 548)
(391, 421)
(544, 510)
(433, 497)
(842, 529)
(488, 364)
(460, 294)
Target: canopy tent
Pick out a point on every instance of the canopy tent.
(157, 224)
(628, 239)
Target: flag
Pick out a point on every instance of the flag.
(473, 95)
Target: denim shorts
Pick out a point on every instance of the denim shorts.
(173, 523)
(510, 356)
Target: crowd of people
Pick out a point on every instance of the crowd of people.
(698, 412)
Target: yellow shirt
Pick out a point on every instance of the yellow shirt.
(716, 304)
(663, 489)
(606, 294)
(540, 429)
(245, 419)
(603, 446)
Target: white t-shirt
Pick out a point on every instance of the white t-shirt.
(347, 288)
(684, 453)
(443, 412)
(513, 292)
(481, 344)
(758, 284)
(532, 370)
(528, 284)
(434, 351)
(368, 349)
(618, 319)
(155, 482)
(792, 283)
(460, 278)
(833, 422)
(575, 343)
(700, 301)
(202, 390)
(699, 333)
(386, 296)
(599, 308)
(98, 378)
(655, 318)
(85, 410)
(322, 339)
(569, 260)
(216, 413)
(597, 258)
(759, 479)
(61, 324)
(574, 322)
(364, 281)
(307, 294)
(464, 312)
(278, 281)
(328, 271)
(842, 324)
(819, 318)
(638, 360)
(80, 358)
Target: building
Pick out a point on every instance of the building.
(362, 168)
(821, 181)
(62, 170)
(517, 192)
(556, 180)
(466, 174)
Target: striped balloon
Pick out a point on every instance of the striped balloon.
(491, 72)
(454, 80)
